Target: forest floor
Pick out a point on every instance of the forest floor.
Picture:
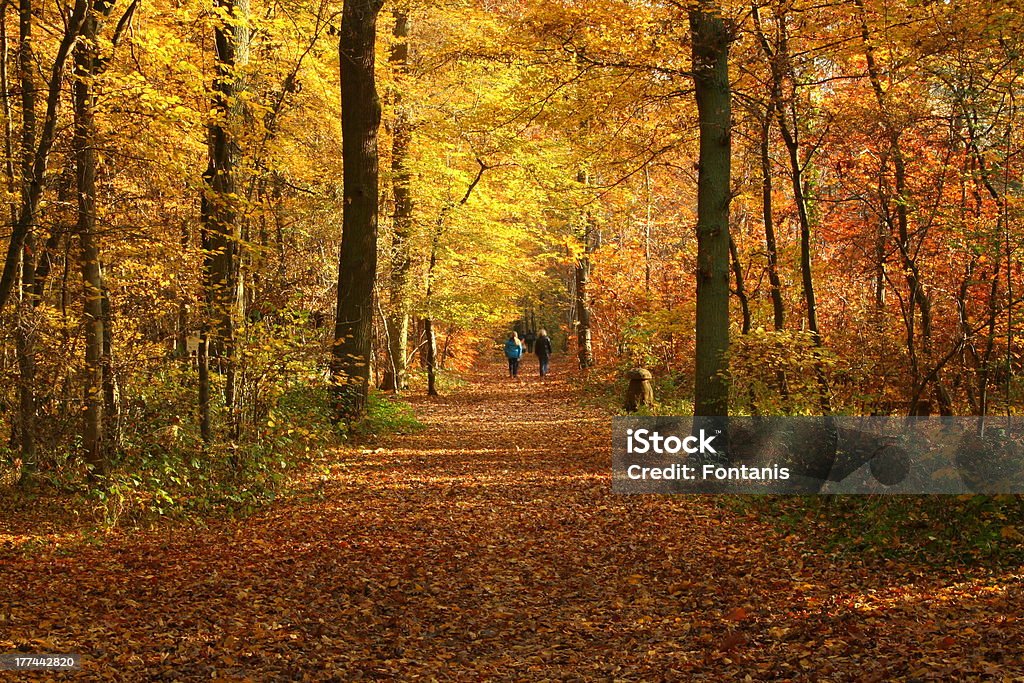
(489, 546)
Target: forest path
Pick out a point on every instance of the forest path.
(489, 547)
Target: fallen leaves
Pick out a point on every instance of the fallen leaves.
(444, 555)
(737, 614)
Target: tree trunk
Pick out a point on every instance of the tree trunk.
(711, 38)
(203, 362)
(430, 357)
(219, 211)
(111, 409)
(648, 229)
(24, 325)
(83, 145)
(357, 262)
(183, 332)
(771, 247)
(398, 318)
(584, 346)
(428, 328)
(5, 102)
(982, 175)
(741, 291)
(879, 294)
(12, 183)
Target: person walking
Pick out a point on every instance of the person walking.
(529, 339)
(513, 352)
(542, 347)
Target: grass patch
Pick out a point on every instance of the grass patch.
(386, 415)
(968, 530)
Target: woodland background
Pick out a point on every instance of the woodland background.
(174, 181)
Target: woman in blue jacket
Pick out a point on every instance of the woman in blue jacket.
(513, 351)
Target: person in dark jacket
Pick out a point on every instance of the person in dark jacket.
(542, 347)
(513, 352)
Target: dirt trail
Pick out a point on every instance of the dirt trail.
(489, 547)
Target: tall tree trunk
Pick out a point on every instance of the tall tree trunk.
(5, 101)
(648, 229)
(741, 290)
(219, 211)
(9, 157)
(24, 326)
(430, 356)
(982, 173)
(203, 364)
(428, 321)
(83, 144)
(398, 318)
(711, 38)
(584, 345)
(9, 170)
(181, 343)
(357, 262)
(111, 410)
(778, 312)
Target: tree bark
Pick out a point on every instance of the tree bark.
(711, 38)
(584, 345)
(428, 321)
(648, 230)
(430, 356)
(220, 234)
(83, 145)
(357, 261)
(18, 256)
(778, 311)
(741, 290)
(9, 153)
(398, 318)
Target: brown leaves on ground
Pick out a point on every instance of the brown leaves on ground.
(490, 546)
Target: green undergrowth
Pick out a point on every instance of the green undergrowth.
(966, 530)
(445, 381)
(164, 471)
(386, 415)
(607, 390)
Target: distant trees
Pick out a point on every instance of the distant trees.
(864, 170)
